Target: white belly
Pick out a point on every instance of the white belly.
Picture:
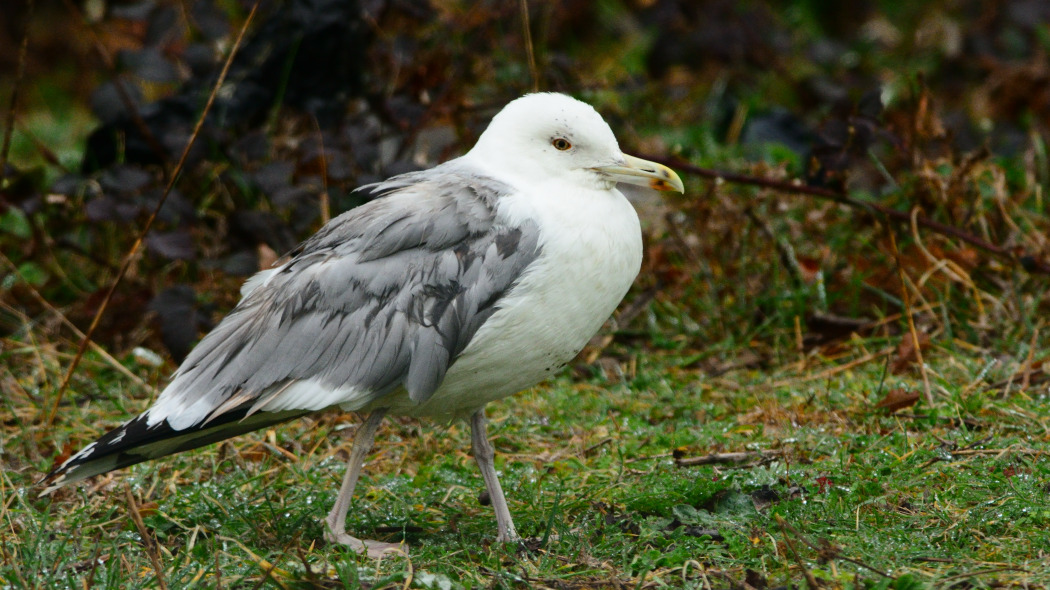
(586, 266)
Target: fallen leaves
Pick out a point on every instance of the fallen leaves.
(897, 399)
(908, 353)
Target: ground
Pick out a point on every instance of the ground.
(830, 373)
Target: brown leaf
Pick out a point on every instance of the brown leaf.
(148, 508)
(809, 268)
(898, 399)
(67, 452)
(907, 353)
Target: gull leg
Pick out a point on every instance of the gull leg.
(484, 455)
(335, 522)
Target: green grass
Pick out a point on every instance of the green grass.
(854, 497)
(839, 493)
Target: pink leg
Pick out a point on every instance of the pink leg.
(335, 522)
(484, 455)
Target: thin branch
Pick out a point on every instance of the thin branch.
(9, 122)
(126, 264)
(326, 211)
(147, 539)
(810, 580)
(984, 572)
(723, 458)
(1030, 262)
(829, 551)
(529, 50)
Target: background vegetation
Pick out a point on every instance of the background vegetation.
(831, 372)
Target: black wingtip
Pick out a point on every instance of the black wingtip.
(137, 440)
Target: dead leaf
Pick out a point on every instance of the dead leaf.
(809, 268)
(898, 399)
(907, 353)
(148, 508)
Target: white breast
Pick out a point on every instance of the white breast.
(591, 253)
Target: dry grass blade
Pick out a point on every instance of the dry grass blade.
(72, 327)
(823, 375)
(912, 330)
(529, 49)
(784, 528)
(270, 570)
(1026, 379)
(1032, 263)
(724, 458)
(147, 539)
(130, 257)
(325, 200)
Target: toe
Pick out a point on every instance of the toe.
(377, 549)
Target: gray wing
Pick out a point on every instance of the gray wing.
(384, 296)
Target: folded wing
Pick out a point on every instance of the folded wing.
(381, 299)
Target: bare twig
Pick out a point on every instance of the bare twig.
(326, 211)
(1032, 263)
(90, 580)
(9, 120)
(993, 570)
(589, 450)
(147, 539)
(42, 148)
(268, 575)
(636, 307)
(970, 452)
(784, 249)
(529, 50)
(218, 572)
(722, 458)
(827, 551)
(784, 527)
(130, 257)
(269, 568)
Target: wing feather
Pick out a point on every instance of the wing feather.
(383, 297)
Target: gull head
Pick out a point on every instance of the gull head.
(549, 136)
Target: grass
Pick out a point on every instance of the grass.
(594, 468)
(600, 465)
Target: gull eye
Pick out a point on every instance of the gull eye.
(560, 143)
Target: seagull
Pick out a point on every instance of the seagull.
(454, 287)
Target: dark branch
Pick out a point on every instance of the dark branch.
(1028, 261)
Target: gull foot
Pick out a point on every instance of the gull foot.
(374, 549)
(530, 545)
(514, 538)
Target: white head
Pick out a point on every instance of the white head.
(554, 136)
